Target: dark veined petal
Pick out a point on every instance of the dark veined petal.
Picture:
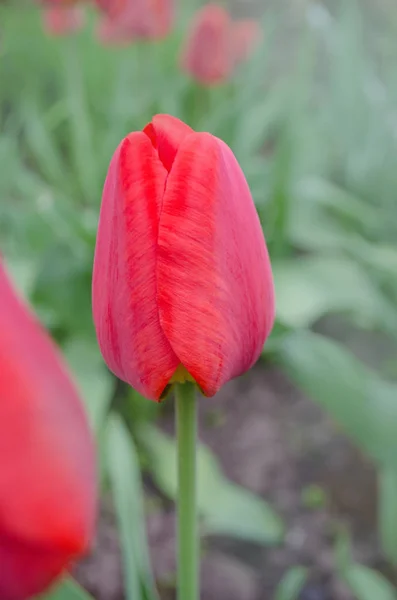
(166, 134)
(215, 289)
(125, 310)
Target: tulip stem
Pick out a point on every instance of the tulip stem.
(188, 537)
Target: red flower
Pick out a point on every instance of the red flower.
(63, 21)
(208, 54)
(129, 20)
(112, 8)
(182, 285)
(215, 45)
(47, 472)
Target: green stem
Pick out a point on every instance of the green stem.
(188, 538)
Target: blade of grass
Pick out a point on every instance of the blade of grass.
(124, 473)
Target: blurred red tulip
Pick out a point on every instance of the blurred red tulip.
(215, 45)
(208, 54)
(59, 21)
(111, 8)
(246, 35)
(47, 463)
(182, 284)
(135, 19)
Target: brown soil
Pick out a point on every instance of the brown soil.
(272, 440)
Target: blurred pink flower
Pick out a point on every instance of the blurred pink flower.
(47, 457)
(207, 54)
(134, 19)
(111, 8)
(59, 20)
(215, 44)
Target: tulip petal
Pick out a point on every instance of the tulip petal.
(47, 459)
(214, 281)
(124, 281)
(27, 570)
(166, 134)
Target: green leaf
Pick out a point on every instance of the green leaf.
(68, 589)
(309, 288)
(338, 200)
(62, 286)
(279, 206)
(95, 382)
(44, 147)
(343, 550)
(310, 228)
(82, 144)
(255, 124)
(367, 584)
(226, 508)
(382, 257)
(291, 584)
(124, 474)
(241, 514)
(387, 511)
(23, 273)
(362, 403)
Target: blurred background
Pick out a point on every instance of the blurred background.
(298, 462)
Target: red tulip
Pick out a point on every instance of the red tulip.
(215, 45)
(47, 472)
(182, 285)
(135, 19)
(63, 21)
(208, 54)
(112, 8)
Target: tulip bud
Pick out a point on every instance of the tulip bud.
(111, 8)
(47, 464)
(216, 45)
(60, 21)
(208, 53)
(182, 283)
(135, 19)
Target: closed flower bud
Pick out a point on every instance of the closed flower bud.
(111, 8)
(131, 20)
(208, 54)
(60, 20)
(215, 44)
(182, 284)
